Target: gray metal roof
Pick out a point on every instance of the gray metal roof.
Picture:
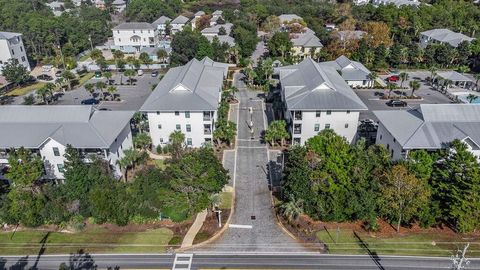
(289, 17)
(223, 39)
(447, 36)
(310, 86)
(216, 28)
(307, 39)
(9, 35)
(453, 76)
(78, 125)
(199, 13)
(195, 86)
(134, 26)
(347, 35)
(180, 19)
(349, 70)
(398, 3)
(433, 126)
(161, 20)
(217, 13)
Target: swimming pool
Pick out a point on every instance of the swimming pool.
(462, 96)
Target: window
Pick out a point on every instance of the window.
(297, 129)
(388, 146)
(189, 128)
(159, 126)
(118, 31)
(119, 39)
(189, 141)
(394, 140)
(317, 114)
(141, 31)
(296, 141)
(392, 152)
(381, 136)
(134, 31)
(348, 112)
(23, 58)
(158, 113)
(177, 113)
(161, 140)
(297, 115)
(329, 112)
(56, 152)
(187, 114)
(346, 125)
(21, 48)
(13, 52)
(317, 127)
(61, 168)
(178, 127)
(327, 125)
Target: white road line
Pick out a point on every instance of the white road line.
(240, 226)
(236, 147)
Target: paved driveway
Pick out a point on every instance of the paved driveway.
(258, 230)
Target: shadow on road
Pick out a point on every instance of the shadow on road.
(373, 255)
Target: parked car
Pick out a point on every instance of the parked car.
(90, 101)
(44, 77)
(393, 78)
(396, 103)
(58, 73)
(47, 68)
(98, 74)
(379, 94)
(140, 72)
(154, 73)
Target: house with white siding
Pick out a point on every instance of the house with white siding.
(316, 97)
(430, 127)
(134, 36)
(186, 100)
(353, 72)
(178, 23)
(48, 130)
(11, 47)
(305, 44)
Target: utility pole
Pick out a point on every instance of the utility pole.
(459, 261)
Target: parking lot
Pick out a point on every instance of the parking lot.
(132, 96)
(426, 92)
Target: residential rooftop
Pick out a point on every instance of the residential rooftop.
(9, 35)
(196, 86)
(134, 26)
(311, 86)
(289, 17)
(161, 20)
(447, 36)
(78, 125)
(180, 20)
(433, 126)
(349, 70)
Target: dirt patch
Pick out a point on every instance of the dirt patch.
(210, 226)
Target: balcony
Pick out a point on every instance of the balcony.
(297, 115)
(89, 154)
(297, 129)
(207, 131)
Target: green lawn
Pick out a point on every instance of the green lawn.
(84, 58)
(426, 244)
(90, 240)
(226, 200)
(160, 164)
(20, 91)
(85, 78)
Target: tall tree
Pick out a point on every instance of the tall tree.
(15, 73)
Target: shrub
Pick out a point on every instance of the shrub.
(77, 222)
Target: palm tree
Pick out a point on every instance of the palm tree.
(100, 87)
(131, 158)
(129, 73)
(60, 82)
(477, 79)
(68, 76)
(96, 54)
(292, 209)
(277, 131)
(372, 76)
(403, 77)
(177, 139)
(471, 98)
(145, 58)
(162, 54)
(391, 87)
(118, 54)
(45, 92)
(108, 75)
(267, 68)
(111, 91)
(433, 73)
(90, 88)
(415, 85)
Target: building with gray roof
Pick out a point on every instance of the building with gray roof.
(346, 35)
(133, 36)
(134, 26)
(11, 47)
(398, 3)
(186, 99)
(443, 36)
(305, 43)
(102, 133)
(178, 23)
(161, 23)
(316, 97)
(223, 39)
(284, 18)
(353, 72)
(429, 127)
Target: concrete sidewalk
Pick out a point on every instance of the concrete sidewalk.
(192, 232)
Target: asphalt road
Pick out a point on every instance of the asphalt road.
(258, 231)
(232, 261)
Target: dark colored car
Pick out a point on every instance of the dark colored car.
(396, 103)
(154, 73)
(58, 73)
(98, 74)
(379, 94)
(90, 101)
(393, 78)
(44, 77)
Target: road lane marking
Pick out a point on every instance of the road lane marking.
(240, 226)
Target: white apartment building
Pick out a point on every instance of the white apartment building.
(103, 134)
(178, 23)
(186, 99)
(132, 37)
(11, 47)
(429, 127)
(316, 97)
(161, 24)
